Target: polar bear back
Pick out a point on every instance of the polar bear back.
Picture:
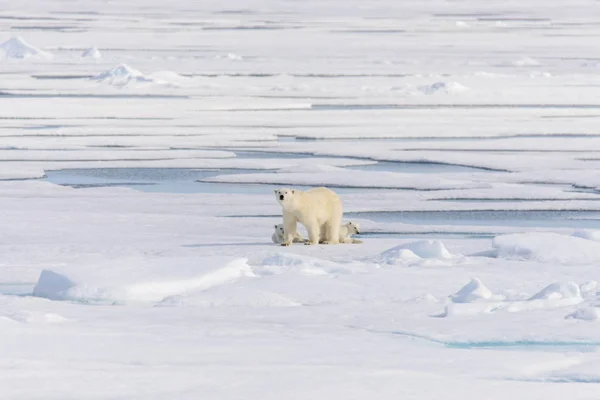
(320, 203)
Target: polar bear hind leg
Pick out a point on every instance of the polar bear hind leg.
(333, 229)
(323, 233)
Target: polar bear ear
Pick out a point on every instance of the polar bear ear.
(275, 226)
(275, 191)
(293, 191)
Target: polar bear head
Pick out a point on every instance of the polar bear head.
(353, 228)
(284, 196)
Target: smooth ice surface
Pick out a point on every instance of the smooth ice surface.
(140, 144)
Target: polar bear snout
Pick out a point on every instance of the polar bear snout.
(280, 197)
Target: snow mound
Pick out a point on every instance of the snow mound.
(472, 292)
(443, 87)
(588, 234)
(92, 52)
(55, 286)
(558, 291)
(547, 248)
(120, 75)
(431, 249)
(17, 47)
(123, 74)
(586, 314)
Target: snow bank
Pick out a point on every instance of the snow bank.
(428, 249)
(547, 248)
(92, 52)
(56, 286)
(17, 47)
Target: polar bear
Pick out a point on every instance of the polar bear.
(278, 235)
(348, 229)
(318, 209)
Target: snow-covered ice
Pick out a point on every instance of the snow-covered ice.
(139, 146)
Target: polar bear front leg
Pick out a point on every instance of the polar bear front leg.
(323, 234)
(313, 233)
(289, 228)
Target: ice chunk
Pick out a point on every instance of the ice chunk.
(52, 285)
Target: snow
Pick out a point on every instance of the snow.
(137, 209)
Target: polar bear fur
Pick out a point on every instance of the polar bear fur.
(319, 210)
(278, 235)
(350, 228)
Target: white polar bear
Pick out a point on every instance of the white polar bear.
(318, 209)
(278, 235)
(350, 228)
